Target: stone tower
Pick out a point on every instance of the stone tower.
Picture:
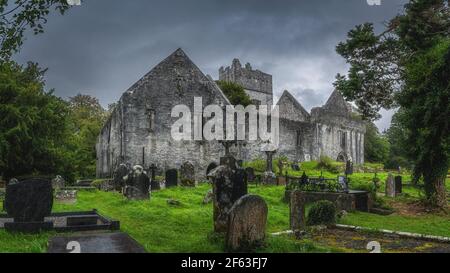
(257, 84)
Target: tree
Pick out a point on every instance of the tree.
(407, 66)
(376, 146)
(18, 16)
(87, 119)
(397, 135)
(235, 93)
(34, 124)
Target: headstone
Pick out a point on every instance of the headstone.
(269, 177)
(211, 167)
(247, 224)
(297, 211)
(343, 183)
(229, 184)
(118, 176)
(209, 196)
(304, 179)
(28, 202)
(295, 167)
(398, 184)
(250, 174)
(349, 167)
(137, 185)
(95, 243)
(58, 182)
(390, 186)
(155, 185)
(171, 178)
(66, 196)
(187, 174)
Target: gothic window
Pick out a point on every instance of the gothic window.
(151, 119)
(298, 138)
(343, 140)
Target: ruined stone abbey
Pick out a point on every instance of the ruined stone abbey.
(138, 131)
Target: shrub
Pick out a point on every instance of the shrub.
(322, 213)
(326, 163)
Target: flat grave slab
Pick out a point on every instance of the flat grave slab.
(95, 243)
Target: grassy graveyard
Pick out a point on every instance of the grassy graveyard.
(162, 227)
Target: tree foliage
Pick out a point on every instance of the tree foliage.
(376, 145)
(407, 66)
(18, 16)
(235, 93)
(33, 127)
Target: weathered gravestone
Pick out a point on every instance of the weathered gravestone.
(247, 223)
(229, 184)
(119, 176)
(390, 186)
(155, 185)
(171, 178)
(58, 182)
(28, 202)
(187, 174)
(250, 174)
(137, 185)
(297, 211)
(66, 196)
(398, 184)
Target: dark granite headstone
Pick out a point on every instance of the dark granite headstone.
(187, 174)
(295, 167)
(118, 176)
(247, 224)
(155, 185)
(28, 202)
(398, 184)
(171, 178)
(229, 184)
(137, 185)
(304, 179)
(95, 243)
(211, 167)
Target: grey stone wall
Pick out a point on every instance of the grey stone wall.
(257, 84)
(139, 129)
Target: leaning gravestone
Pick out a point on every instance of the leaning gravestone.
(229, 184)
(187, 174)
(250, 174)
(247, 223)
(118, 176)
(95, 243)
(398, 184)
(171, 178)
(58, 182)
(390, 186)
(28, 202)
(297, 211)
(137, 185)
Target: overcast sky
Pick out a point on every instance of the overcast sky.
(103, 46)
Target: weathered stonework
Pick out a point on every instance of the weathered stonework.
(257, 84)
(139, 129)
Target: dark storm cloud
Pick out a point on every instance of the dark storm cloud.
(104, 46)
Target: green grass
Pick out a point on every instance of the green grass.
(427, 224)
(160, 227)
